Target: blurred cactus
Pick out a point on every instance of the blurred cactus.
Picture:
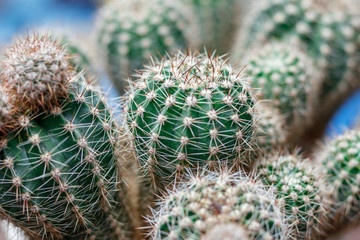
(284, 78)
(59, 176)
(217, 21)
(129, 32)
(340, 160)
(190, 110)
(209, 200)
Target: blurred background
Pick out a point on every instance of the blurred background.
(20, 16)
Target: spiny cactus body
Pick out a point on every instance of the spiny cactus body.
(208, 200)
(340, 160)
(190, 111)
(298, 186)
(217, 22)
(59, 176)
(283, 76)
(128, 32)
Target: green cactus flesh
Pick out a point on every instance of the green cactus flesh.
(189, 111)
(197, 206)
(299, 188)
(59, 176)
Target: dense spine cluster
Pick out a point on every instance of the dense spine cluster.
(210, 200)
(298, 186)
(284, 77)
(188, 111)
(129, 32)
(59, 175)
(340, 160)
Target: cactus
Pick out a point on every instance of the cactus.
(284, 76)
(37, 71)
(208, 199)
(129, 32)
(190, 110)
(298, 186)
(340, 160)
(59, 176)
(217, 22)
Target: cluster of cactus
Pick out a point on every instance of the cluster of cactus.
(201, 142)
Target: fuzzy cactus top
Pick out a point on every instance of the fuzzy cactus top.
(190, 110)
(38, 71)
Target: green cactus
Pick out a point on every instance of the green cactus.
(340, 160)
(298, 186)
(190, 110)
(284, 76)
(129, 32)
(195, 207)
(59, 175)
(217, 22)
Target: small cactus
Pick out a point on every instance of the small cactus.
(283, 76)
(299, 187)
(340, 160)
(37, 70)
(211, 199)
(190, 110)
(129, 32)
(59, 176)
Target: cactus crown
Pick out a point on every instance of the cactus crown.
(206, 200)
(38, 71)
(190, 110)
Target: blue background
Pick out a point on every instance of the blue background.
(20, 15)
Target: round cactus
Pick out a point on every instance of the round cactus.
(298, 186)
(341, 164)
(38, 72)
(284, 76)
(217, 22)
(190, 110)
(195, 207)
(59, 175)
(129, 32)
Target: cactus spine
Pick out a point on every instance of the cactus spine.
(129, 32)
(59, 176)
(190, 110)
(206, 200)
